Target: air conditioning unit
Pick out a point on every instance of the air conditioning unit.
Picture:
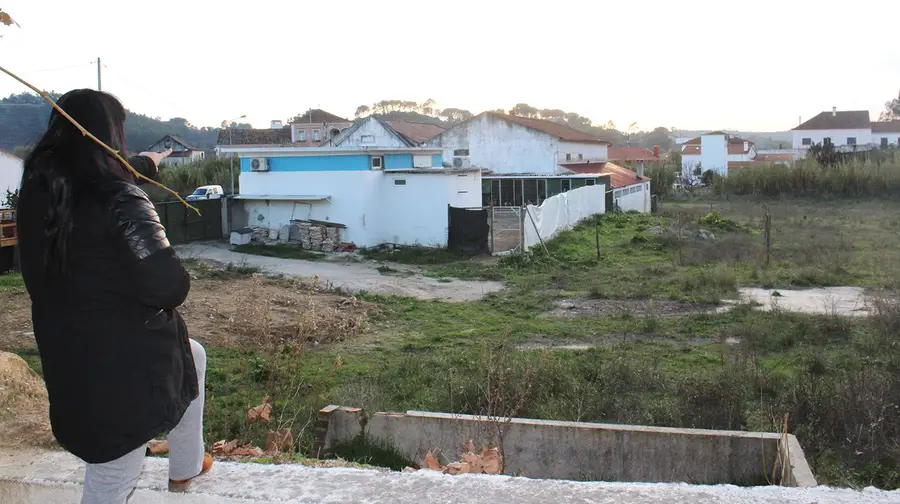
(259, 164)
(462, 162)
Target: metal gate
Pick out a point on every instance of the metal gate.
(183, 225)
(505, 229)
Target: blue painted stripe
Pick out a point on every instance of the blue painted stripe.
(357, 162)
(397, 161)
(437, 160)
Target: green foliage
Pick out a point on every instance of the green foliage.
(12, 199)
(713, 219)
(185, 179)
(808, 178)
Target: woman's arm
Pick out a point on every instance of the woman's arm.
(160, 281)
(147, 164)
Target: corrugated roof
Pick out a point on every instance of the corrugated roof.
(886, 127)
(319, 116)
(561, 131)
(631, 154)
(844, 119)
(619, 175)
(416, 133)
(237, 136)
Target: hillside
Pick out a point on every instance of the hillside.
(23, 118)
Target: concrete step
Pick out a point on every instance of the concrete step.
(54, 477)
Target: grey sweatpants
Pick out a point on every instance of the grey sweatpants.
(113, 482)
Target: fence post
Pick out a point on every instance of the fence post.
(768, 234)
(597, 238)
(492, 229)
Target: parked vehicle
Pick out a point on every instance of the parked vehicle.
(206, 192)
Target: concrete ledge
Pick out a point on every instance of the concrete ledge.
(584, 451)
(55, 477)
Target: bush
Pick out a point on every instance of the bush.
(184, 179)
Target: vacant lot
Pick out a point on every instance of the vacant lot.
(637, 334)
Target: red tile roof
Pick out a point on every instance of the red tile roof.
(418, 133)
(560, 131)
(886, 127)
(845, 119)
(238, 136)
(319, 116)
(620, 176)
(774, 157)
(631, 154)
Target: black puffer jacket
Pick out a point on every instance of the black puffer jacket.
(115, 352)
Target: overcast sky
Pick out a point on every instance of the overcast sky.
(752, 65)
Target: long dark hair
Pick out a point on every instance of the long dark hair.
(69, 166)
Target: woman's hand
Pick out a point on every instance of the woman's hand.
(156, 157)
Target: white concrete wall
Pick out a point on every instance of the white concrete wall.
(893, 139)
(416, 213)
(589, 151)
(383, 137)
(838, 137)
(349, 192)
(10, 174)
(714, 153)
(635, 197)
(500, 146)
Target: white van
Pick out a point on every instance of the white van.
(206, 192)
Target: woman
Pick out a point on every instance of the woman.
(104, 285)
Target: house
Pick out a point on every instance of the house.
(626, 190)
(638, 157)
(507, 144)
(372, 195)
(252, 137)
(717, 151)
(375, 132)
(886, 134)
(182, 152)
(317, 127)
(845, 128)
(10, 174)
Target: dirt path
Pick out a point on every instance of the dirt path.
(352, 277)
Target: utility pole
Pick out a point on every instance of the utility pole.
(99, 85)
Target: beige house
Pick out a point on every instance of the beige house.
(317, 127)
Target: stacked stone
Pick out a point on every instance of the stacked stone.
(332, 239)
(300, 233)
(316, 237)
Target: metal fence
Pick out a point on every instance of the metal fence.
(183, 225)
(506, 229)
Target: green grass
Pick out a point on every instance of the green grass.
(11, 282)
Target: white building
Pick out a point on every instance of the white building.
(505, 144)
(182, 152)
(886, 134)
(717, 151)
(375, 132)
(10, 174)
(375, 195)
(841, 128)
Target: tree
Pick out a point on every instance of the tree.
(555, 115)
(578, 121)
(524, 110)
(12, 199)
(610, 125)
(455, 115)
(362, 111)
(891, 110)
(429, 108)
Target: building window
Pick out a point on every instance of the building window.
(367, 139)
(589, 182)
(884, 142)
(851, 140)
(566, 184)
(377, 162)
(400, 181)
(806, 141)
(301, 135)
(826, 140)
(580, 157)
(317, 135)
(461, 152)
(568, 157)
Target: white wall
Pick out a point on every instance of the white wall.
(892, 138)
(838, 137)
(370, 126)
(10, 174)
(589, 151)
(634, 197)
(500, 146)
(561, 212)
(416, 213)
(714, 153)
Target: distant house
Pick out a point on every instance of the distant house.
(717, 151)
(182, 152)
(638, 157)
(844, 128)
(10, 174)
(626, 191)
(317, 127)
(375, 132)
(251, 137)
(886, 134)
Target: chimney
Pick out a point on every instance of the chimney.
(656, 151)
(640, 169)
(833, 111)
(746, 146)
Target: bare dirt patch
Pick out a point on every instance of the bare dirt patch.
(580, 307)
(23, 405)
(15, 320)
